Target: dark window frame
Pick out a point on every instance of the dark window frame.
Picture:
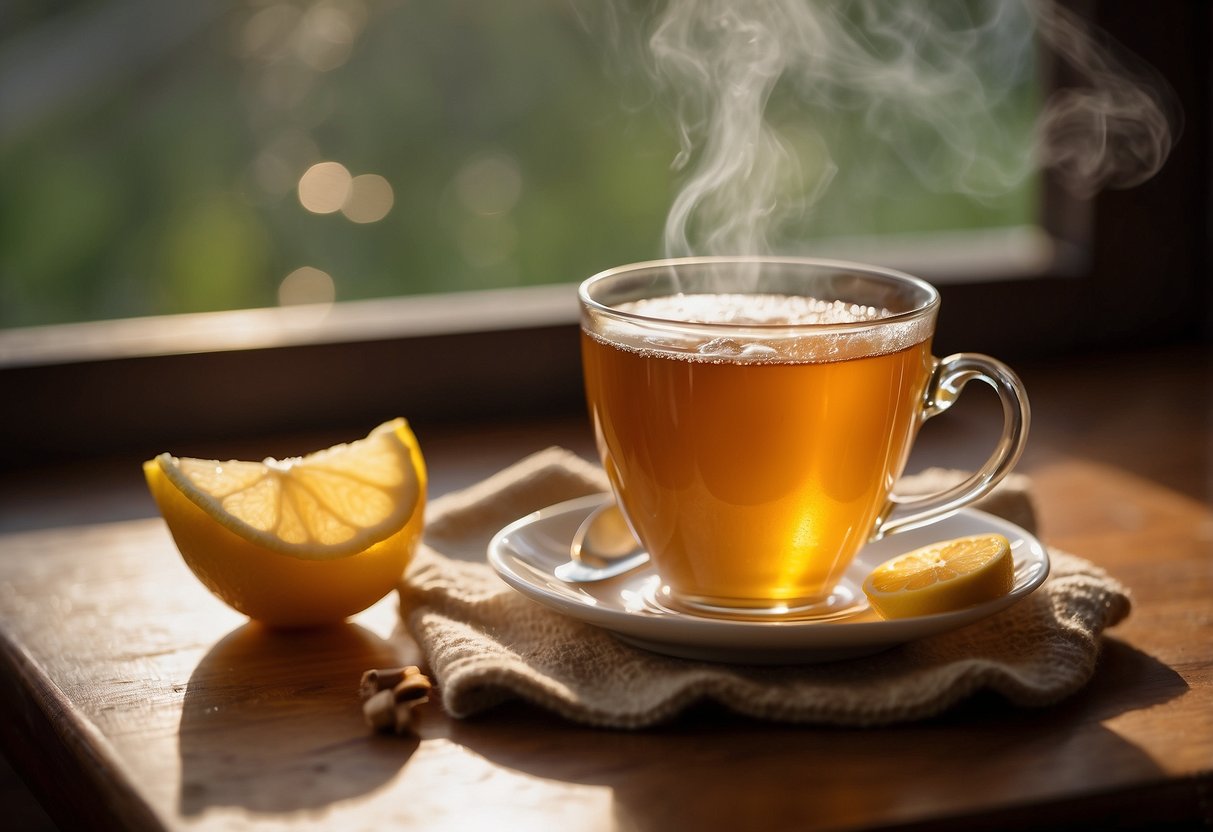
(142, 386)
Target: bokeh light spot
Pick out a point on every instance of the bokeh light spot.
(325, 38)
(489, 184)
(324, 187)
(370, 199)
(306, 284)
(266, 33)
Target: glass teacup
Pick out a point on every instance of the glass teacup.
(753, 415)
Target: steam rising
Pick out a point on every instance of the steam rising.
(918, 73)
(1115, 132)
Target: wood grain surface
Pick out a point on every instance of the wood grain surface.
(136, 700)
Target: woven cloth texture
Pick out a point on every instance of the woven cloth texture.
(485, 643)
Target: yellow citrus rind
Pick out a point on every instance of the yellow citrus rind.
(290, 586)
(942, 577)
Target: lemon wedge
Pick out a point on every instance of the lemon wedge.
(942, 577)
(302, 541)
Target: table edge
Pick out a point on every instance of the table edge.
(54, 745)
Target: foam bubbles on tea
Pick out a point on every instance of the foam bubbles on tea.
(732, 348)
(756, 310)
(827, 343)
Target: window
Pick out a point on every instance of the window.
(277, 152)
(166, 161)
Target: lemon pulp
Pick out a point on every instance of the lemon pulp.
(942, 577)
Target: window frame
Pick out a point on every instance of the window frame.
(1130, 268)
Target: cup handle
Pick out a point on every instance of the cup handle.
(950, 376)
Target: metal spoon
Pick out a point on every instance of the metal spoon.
(602, 548)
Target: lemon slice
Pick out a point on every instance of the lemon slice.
(942, 577)
(329, 504)
(302, 541)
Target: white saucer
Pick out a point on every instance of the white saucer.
(525, 552)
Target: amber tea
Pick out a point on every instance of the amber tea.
(754, 477)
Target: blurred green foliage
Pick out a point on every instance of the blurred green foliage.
(161, 175)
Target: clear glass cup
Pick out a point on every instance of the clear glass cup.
(754, 413)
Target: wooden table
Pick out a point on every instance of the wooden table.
(135, 700)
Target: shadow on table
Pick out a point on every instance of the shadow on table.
(711, 769)
(271, 721)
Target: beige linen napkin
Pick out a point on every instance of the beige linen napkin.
(486, 643)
